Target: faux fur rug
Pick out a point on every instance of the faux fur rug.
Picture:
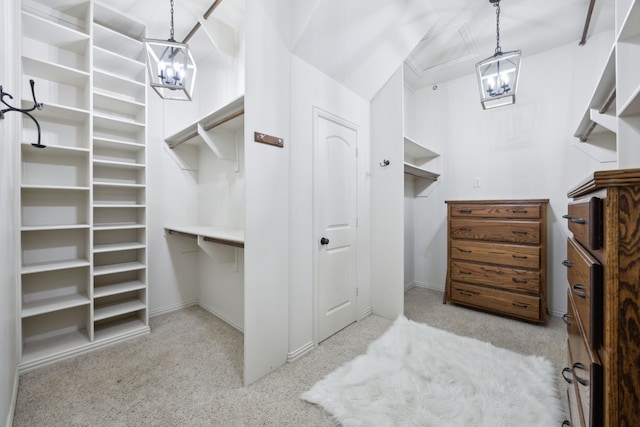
(416, 375)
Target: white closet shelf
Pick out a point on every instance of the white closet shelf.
(114, 164)
(126, 89)
(216, 118)
(52, 33)
(226, 236)
(58, 344)
(117, 206)
(115, 41)
(119, 64)
(61, 150)
(54, 187)
(59, 113)
(606, 85)
(419, 172)
(41, 69)
(49, 305)
(102, 270)
(118, 288)
(108, 102)
(117, 226)
(115, 247)
(99, 142)
(416, 150)
(117, 308)
(632, 105)
(129, 326)
(123, 125)
(113, 19)
(117, 185)
(54, 266)
(629, 27)
(53, 227)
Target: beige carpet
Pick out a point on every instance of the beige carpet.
(187, 372)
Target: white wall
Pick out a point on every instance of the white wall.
(311, 88)
(522, 151)
(9, 182)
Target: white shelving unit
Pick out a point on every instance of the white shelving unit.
(610, 131)
(93, 169)
(418, 161)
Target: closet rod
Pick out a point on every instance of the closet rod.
(180, 233)
(206, 15)
(587, 21)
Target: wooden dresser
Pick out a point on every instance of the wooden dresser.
(497, 256)
(603, 303)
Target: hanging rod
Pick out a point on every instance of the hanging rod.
(587, 21)
(206, 15)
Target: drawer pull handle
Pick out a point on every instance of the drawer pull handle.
(565, 319)
(566, 423)
(520, 232)
(567, 263)
(466, 251)
(465, 229)
(465, 211)
(469, 293)
(578, 290)
(574, 219)
(520, 305)
(520, 256)
(520, 211)
(465, 272)
(514, 280)
(568, 380)
(582, 381)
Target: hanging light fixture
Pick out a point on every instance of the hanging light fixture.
(498, 74)
(172, 70)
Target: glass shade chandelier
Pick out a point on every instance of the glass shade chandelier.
(171, 68)
(498, 74)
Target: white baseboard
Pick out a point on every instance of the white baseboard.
(171, 308)
(366, 312)
(416, 284)
(297, 354)
(221, 316)
(12, 407)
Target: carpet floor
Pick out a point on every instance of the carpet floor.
(188, 371)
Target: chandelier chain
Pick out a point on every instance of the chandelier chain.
(498, 48)
(171, 38)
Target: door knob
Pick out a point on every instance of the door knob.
(324, 241)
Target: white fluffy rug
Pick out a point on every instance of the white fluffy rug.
(416, 375)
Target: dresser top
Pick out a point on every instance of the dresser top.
(496, 202)
(603, 179)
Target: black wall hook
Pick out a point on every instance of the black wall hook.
(385, 163)
(26, 111)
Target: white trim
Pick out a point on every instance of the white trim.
(221, 316)
(292, 356)
(171, 308)
(12, 407)
(366, 312)
(439, 288)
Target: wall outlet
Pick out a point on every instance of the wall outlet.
(476, 182)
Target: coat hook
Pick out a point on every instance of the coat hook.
(25, 111)
(385, 163)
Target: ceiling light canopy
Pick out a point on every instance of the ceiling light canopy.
(498, 74)
(172, 70)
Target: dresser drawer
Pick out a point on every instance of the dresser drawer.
(496, 211)
(496, 231)
(523, 306)
(496, 253)
(585, 222)
(584, 274)
(585, 373)
(510, 279)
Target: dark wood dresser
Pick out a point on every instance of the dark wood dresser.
(603, 303)
(497, 256)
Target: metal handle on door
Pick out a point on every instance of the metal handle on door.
(324, 241)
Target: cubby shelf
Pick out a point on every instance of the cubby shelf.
(416, 156)
(49, 305)
(419, 172)
(83, 212)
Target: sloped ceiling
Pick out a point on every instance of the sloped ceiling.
(360, 43)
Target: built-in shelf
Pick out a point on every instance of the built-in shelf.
(118, 288)
(34, 350)
(116, 247)
(54, 266)
(117, 308)
(53, 227)
(59, 113)
(117, 226)
(417, 158)
(54, 72)
(216, 118)
(49, 305)
(54, 187)
(53, 33)
(114, 164)
(120, 327)
(102, 270)
(419, 172)
(225, 236)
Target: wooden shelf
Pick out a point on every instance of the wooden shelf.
(225, 236)
(216, 118)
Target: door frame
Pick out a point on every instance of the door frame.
(318, 113)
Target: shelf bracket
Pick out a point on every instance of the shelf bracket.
(220, 252)
(223, 148)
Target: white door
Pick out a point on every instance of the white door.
(335, 220)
